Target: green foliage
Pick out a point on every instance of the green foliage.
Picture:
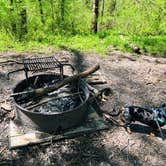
(152, 44)
(136, 17)
(67, 23)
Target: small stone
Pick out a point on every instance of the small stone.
(6, 106)
(11, 115)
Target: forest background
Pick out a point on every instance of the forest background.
(85, 25)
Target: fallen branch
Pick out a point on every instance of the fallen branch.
(96, 82)
(10, 61)
(43, 91)
(162, 135)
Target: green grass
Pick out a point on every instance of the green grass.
(86, 43)
(156, 45)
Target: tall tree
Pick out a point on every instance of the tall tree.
(95, 11)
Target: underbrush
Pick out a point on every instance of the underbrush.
(99, 43)
(155, 45)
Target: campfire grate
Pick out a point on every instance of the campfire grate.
(41, 64)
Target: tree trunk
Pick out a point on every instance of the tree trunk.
(41, 11)
(95, 11)
(112, 6)
(23, 20)
(103, 6)
(13, 24)
(23, 24)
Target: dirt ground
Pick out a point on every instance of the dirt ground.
(135, 80)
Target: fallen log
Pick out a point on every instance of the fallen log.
(43, 91)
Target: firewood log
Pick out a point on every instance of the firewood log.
(43, 91)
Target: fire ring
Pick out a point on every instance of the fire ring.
(55, 121)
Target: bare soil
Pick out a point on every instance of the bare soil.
(135, 80)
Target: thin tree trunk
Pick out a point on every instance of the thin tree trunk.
(13, 24)
(95, 11)
(52, 15)
(23, 20)
(103, 6)
(62, 16)
(112, 6)
(41, 11)
(23, 25)
(102, 10)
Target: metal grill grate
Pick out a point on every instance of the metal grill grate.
(41, 64)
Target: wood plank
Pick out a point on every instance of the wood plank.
(19, 139)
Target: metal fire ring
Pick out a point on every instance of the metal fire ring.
(51, 122)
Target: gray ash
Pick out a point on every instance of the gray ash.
(66, 101)
(68, 97)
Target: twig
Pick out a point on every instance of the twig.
(128, 144)
(3, 130)
(36, 79)
(10, 61)
(160, 129)
(91, 82)
(110, 119)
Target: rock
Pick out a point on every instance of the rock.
(6, 106)
(11, 115)
(135, 48)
